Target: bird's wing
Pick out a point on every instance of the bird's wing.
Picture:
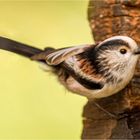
(58, 56)
(67, 55)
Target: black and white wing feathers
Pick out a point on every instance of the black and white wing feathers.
(67, 58)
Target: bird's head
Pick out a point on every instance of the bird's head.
(118, 52)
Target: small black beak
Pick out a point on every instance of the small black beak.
(137, 51)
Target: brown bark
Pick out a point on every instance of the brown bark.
(108, 18)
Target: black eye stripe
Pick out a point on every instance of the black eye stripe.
(113, 44)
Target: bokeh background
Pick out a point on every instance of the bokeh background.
(33, 105)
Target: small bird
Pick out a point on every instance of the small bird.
(94, 71)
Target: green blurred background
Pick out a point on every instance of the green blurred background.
(33, 105)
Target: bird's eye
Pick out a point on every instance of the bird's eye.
(123, 51)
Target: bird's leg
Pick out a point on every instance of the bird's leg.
(104, 110)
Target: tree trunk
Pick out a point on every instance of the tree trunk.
(108, 18)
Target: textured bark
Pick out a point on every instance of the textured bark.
(108, 18)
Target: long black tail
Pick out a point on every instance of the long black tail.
(18, 48)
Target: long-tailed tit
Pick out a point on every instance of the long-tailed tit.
(94, 71)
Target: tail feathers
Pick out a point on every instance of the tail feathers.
(43, 54)
(18, 48)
